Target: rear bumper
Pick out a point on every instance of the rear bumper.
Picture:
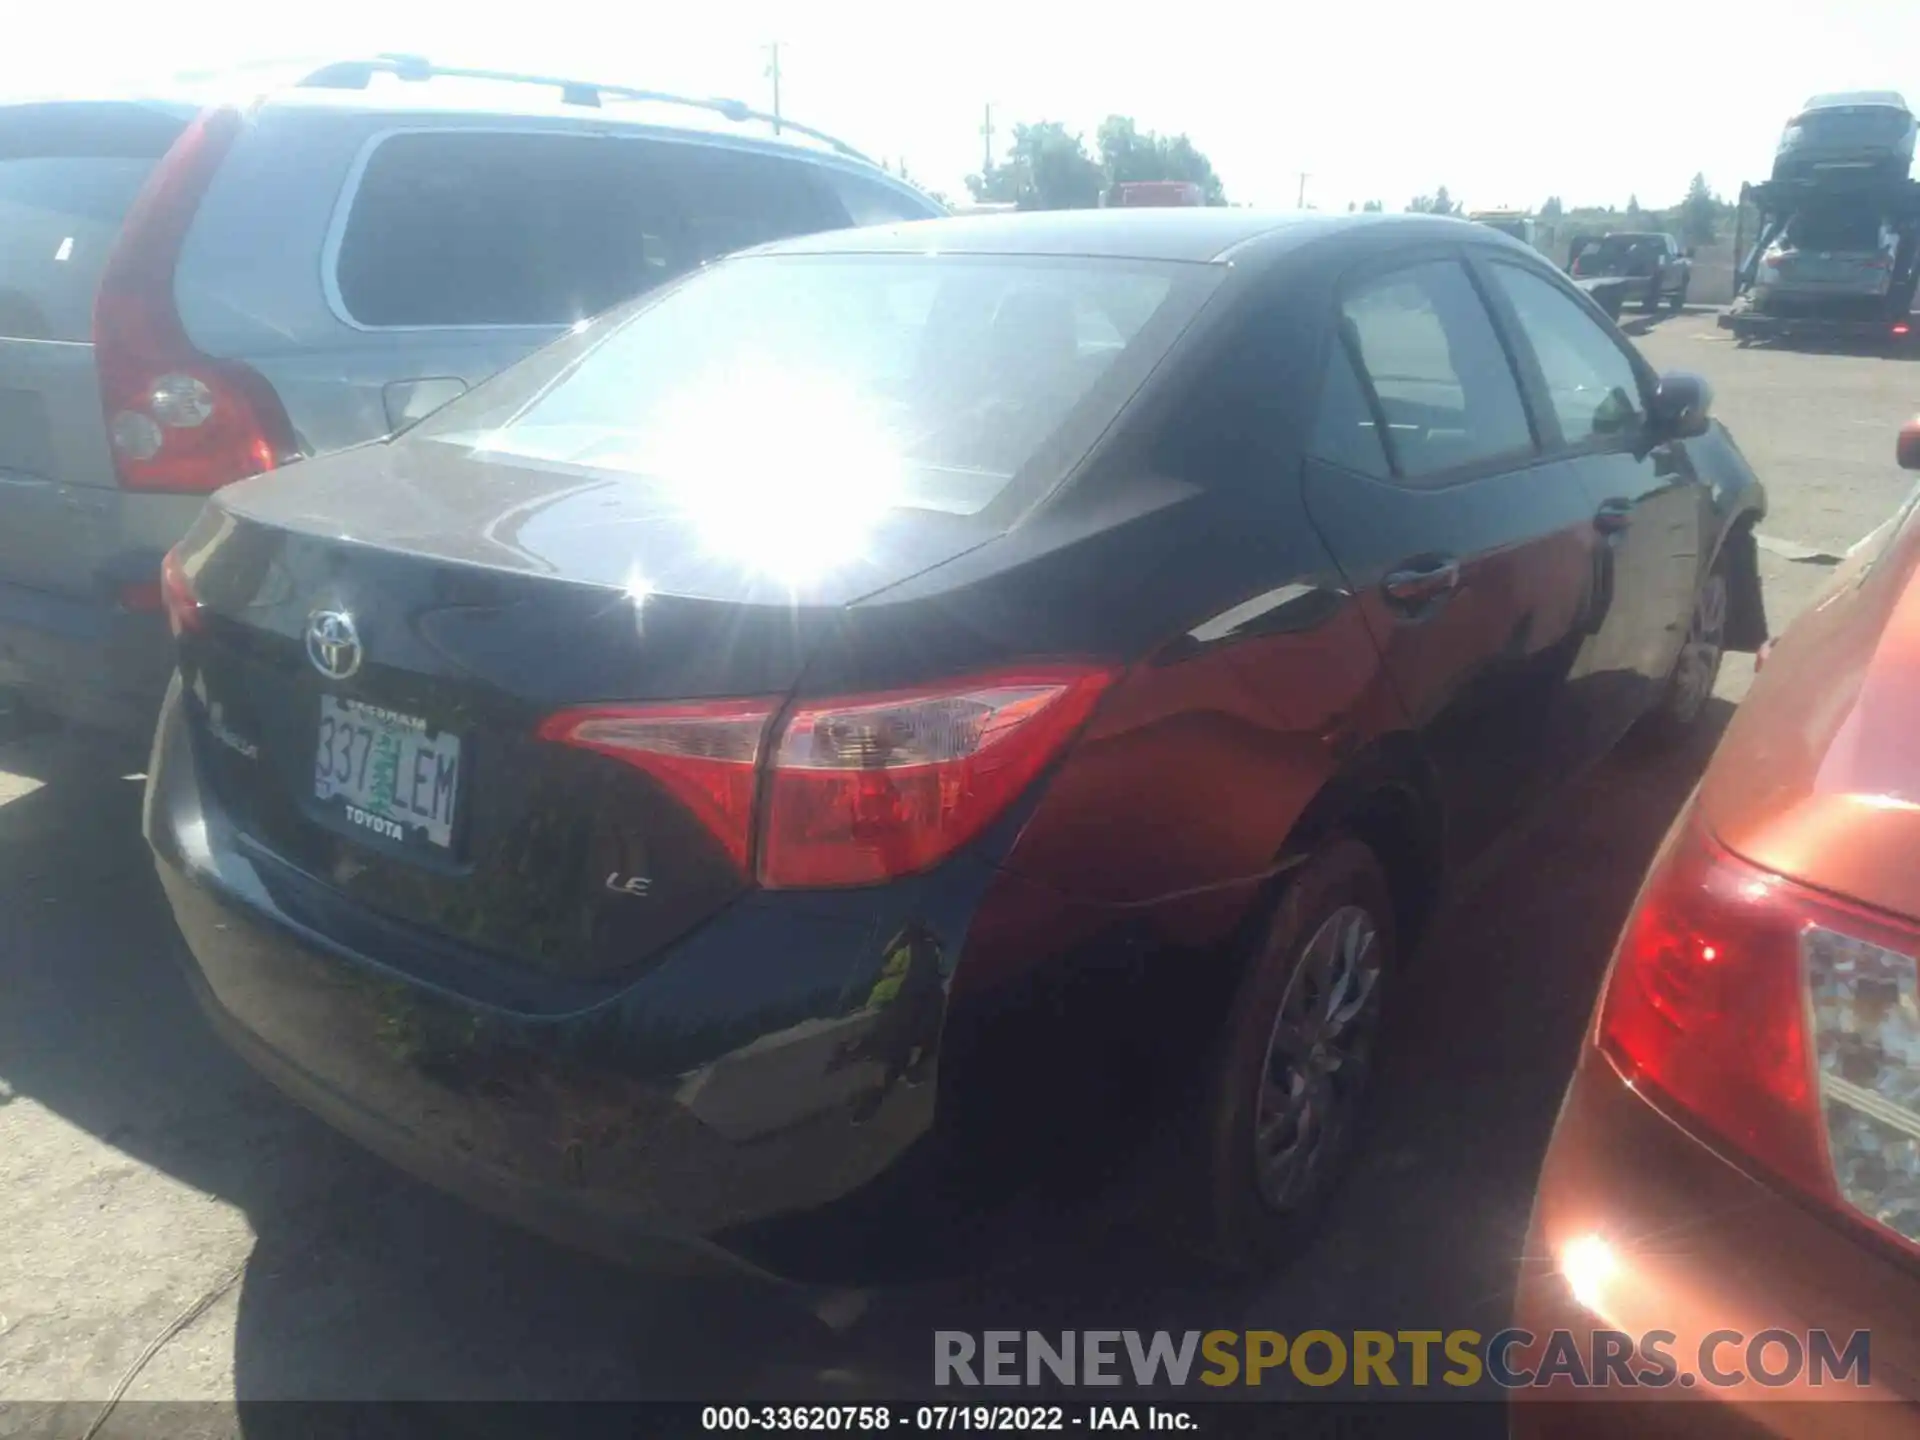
(1815, 315)
(1695, 1246)
(84, 658)
(768, 1078)
(1751, 326)
(1789, 295)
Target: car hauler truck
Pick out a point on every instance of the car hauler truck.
(1834, 258)
(1836, 253)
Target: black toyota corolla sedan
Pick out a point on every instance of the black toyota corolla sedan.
(898, 708)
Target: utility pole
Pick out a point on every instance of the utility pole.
(986, 137)
(773, 70)
(1300, 200)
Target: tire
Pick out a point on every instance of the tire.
(1683, 699)
(1286, 1087)
(1679, 301)
(1652, 302)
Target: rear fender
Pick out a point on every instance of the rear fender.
(1068, 1018)
(1385, 797)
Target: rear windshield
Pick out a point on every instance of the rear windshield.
(59, 215)
(877, 380)
(1868, 125)
(1834, 230)
(458, 227)
(1618, 247)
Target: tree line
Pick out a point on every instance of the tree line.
(1048, 167)
(1697, 219)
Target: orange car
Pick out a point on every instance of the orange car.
(1729, 1212)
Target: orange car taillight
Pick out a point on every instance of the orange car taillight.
(858, 790)
(1783, 1021)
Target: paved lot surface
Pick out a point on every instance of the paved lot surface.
(172, 1227)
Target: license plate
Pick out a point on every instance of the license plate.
(1821, 272)
(391, 775)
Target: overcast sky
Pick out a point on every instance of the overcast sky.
(1503, 102)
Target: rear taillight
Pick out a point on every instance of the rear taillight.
(704, 755)
(176, 419)
(858, 790)
(177, 595)
(1574, 269)
(866, 789)
(1783, 1022)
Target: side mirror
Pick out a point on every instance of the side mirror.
(1681, 404)
(1908, 450)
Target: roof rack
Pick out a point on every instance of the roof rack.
(358, 74)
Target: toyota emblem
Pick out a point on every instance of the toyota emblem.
(333, 645)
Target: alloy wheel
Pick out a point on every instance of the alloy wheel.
(1318, 1056)
(1699, 662)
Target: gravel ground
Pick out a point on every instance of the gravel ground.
(174, 1228)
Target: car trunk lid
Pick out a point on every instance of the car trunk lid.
(369, 693)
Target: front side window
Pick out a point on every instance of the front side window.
(1591, 384)
(1434, 360)
(919, 381)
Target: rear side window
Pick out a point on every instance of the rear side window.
(1444, 383)
(478, 228)
(1344, 432)
(59, 216)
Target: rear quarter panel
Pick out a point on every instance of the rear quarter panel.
(1250, 677)
(1098, 960)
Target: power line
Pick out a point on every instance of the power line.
(773, 70)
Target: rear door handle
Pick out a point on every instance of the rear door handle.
(1419, 583)
(1613, 516)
